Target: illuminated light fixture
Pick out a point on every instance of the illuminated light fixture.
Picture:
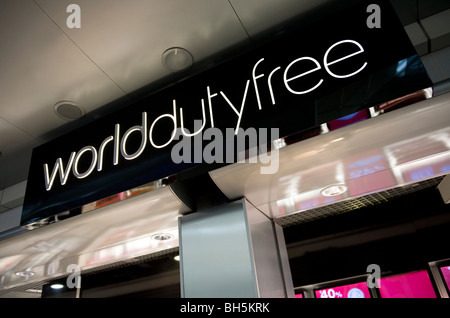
(338, 139)
(37, 224)
(162, 237)
(177, 258)
(25, 273)
(57, 286)
(68, 110)
(279, 143)
(177, 59)
(333, 190)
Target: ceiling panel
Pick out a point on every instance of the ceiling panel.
(14, 165)
(40, 67)
(15, 152)
(126, 39)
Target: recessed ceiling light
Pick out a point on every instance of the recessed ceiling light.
(68, 110)
(57, 286)
(177, 258)
(334, 190)
(162, 237)
(25, 273)
(177, 59)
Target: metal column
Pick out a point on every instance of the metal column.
(233, 251)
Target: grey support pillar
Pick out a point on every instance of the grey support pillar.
(233, 251)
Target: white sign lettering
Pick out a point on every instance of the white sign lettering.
(176, 118)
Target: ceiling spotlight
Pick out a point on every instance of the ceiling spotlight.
(57, 286)
(68, 110)
(177, 59)
(334, 190)
(177, 258)
(162, 237)
(25, 273)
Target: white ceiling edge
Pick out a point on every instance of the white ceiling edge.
(44, 67)
(392, 150)
(126, 39)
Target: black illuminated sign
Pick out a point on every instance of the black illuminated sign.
(310, 76)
